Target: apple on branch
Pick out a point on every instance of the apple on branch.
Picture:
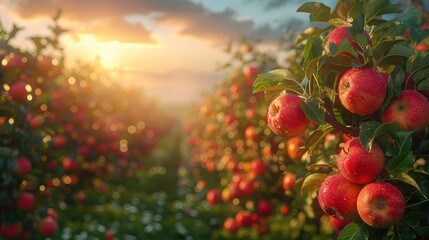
(380, 205)
(286, 117)
(410, 111)
(362, 90)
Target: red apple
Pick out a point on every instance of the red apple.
(358, 165)
(246, 187)
(422, 47)
(213, 196)
(285, 116)
(10, 231)
(230, 225)
(18, 91)
(53, 214)
(47, 226)
(284, 209)
(288, 181)
(362, 90)
(264, 207)
(23, 166)
(13, 61)
(26, 201)
(235, 88)
(338, 197)
(250, 133)
(380, 205)
(337, 35)
(257, 167)
(338, 224)
(242, 219)
(70, 164)
(58, 141)
(294, 147)
(109, 235)
(250, 73)
(251, 113)
(410, 111)
(35, 121)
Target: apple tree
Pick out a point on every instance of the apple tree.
(242, 171)
(363, 81)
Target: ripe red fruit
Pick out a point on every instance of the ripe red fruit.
(250, 133)
(257, 167)
(285, 116)
(70, 164)
(250, 73)
(362, 90)
(23, 166)
(10, 231)
(108, 235)
(18, 91)
(338, 224)
(410, 110)
(380, 205)
(338, 197)
(26, 201)
(35, 121)
(13, 61)
(358, 165)
(47, 226)
(284, 209)
(264, 207)
(52, 213)
(288, 181)
(213, 196)
(242, 219)
(337, 35)
(230, 225)
(422, 47)
(293, 147)
(58, 141)
(246, 187)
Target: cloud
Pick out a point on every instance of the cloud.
(273, 4)
(107, 19)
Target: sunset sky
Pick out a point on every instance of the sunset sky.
(171, 47)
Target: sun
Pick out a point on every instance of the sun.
(108, 59)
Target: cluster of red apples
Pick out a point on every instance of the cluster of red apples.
(358, 188)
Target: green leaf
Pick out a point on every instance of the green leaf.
(344, 46)
(396, 54)
(309, 32)
(401, 163)
(327, 159)
(312, 182)
(406, 178)
(318, 11)
(417, 62)
(276, 81)
(423, 85)
(386, 44)
(338, 22)
(344, 7)
(402, 232)
(354, 231)
(316, 136)
(373, 8)
(373, 129)
(313, 111)
(410, 17)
